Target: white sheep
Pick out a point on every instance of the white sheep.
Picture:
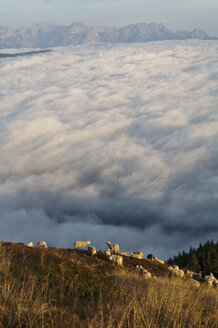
(108, 252)
(30, 244)
(143, 272)
(92, 251)
(81, 244)
(189, 273)
(170, 268)
(176, 271)
(42, 244)
(181, 273)
(211, 280)
(138, 253)
(159, 261)
(147, 275)
(136, 256)
(123, 253)
(117, 259)
(113, 247)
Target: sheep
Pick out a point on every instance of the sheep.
(108, 252)
(117, 259)
(136, 256)
(81, 244)
(138, 253)
(181, 273)
(176, 271)
(113, 247)
(189, 273)
(42, 244)
(197, 275)
(143, 272)
(147, 275)
(211, 280)
(159, 261)
(92, 251)
(123, 253)
(170, 268)
(30, 244)
(209, 283)
(150, 257)
(141, 269)
(215, 283)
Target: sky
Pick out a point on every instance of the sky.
(111, 142)
(176, 14)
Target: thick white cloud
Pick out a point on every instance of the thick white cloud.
(111, 142)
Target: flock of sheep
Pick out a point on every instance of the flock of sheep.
(114, 255)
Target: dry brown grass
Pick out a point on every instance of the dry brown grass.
(63, 288)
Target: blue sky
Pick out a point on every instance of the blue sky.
(176, 14)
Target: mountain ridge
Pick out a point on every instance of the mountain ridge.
(51, 35)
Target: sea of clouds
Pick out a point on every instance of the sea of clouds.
(111, 142)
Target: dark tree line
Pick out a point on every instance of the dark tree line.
(204, 258)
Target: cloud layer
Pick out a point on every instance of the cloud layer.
(111, 143)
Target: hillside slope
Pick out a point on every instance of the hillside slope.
(68, 288)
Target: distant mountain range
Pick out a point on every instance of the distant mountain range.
(47, 35)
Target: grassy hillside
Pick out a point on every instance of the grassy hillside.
(68, 288)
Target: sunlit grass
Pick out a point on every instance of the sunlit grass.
(57, 288)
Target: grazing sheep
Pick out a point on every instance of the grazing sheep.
(81, 244)
(215, 283)
(197, 275)
(42, 244)
(141, 269)
(92, 251)
(150, 257)
(211, 280)
(138, 267)
(123, 253)
(30, 244)
(147, 275)
(102, 254)
(176, 271)
(143, 272)
(117, 259)
(138, 253)
(189, 273)
(113, 247)
(181, 273)
(209, 283)
(108, 252)
(159, 261)
(136, 256)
